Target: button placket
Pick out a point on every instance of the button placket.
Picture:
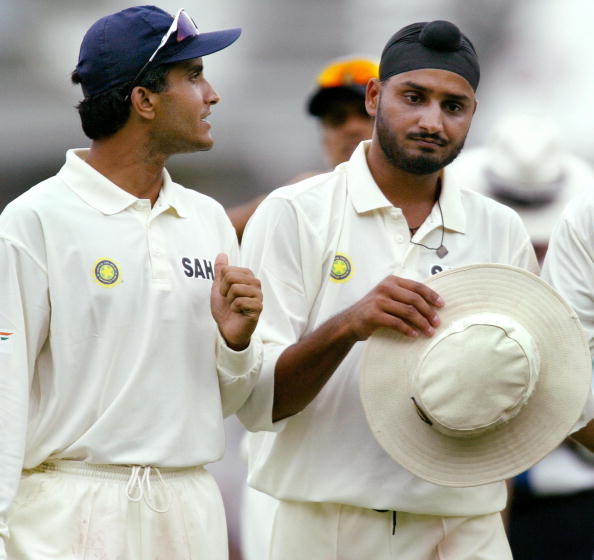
(431, 223)
(398, 231)
(160, 267)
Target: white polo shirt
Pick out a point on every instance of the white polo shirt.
(318, 247)
(107, 351)
(569, 262)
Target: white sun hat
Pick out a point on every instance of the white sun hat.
(500, 384)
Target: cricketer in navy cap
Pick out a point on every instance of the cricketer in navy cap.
(117, 47)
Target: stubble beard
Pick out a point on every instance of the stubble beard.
(173, 145)
(399, 158)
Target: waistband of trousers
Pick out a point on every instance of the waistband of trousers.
(120, 473)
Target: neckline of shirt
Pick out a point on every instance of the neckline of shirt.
(104, 195)
(367, 196)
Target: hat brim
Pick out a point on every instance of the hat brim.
(546, 419)
(321, 100)
(202, 45)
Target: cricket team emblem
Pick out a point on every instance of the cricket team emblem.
(342, 268)
(107, 273)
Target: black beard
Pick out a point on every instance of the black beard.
(418, 165)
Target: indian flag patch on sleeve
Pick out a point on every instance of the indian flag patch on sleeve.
(6, 340)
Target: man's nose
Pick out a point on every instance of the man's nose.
(431, 118)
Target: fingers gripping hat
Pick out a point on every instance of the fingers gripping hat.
(501, 383)
(438, 44)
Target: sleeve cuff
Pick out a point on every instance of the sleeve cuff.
(256, 413)
(240, 363)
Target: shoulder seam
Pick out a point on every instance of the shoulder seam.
(22, 247)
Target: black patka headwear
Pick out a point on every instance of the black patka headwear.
(438, 44)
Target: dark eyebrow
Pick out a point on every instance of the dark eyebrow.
(198, 67)
(193, 66)
(419, 87)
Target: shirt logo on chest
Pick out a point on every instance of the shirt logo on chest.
(342, 269)
(107, 273)
(198, 268)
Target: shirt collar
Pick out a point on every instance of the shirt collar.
(170, 196)
(363, 189)
(367, 196)
(100, 193)
(450, 200)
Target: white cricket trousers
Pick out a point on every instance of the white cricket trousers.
(68, 510)
(324, 531)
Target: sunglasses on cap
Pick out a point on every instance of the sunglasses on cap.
(183, 26)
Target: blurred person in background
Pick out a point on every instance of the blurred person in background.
(338, 103)
(125, 334)
(524, 165)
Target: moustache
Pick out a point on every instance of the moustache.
(435, 138)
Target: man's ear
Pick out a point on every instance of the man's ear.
(143, 102)
(372, 95)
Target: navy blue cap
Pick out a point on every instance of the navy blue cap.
(117, 46)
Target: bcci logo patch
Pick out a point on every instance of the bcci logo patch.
(342, 269)
(107, 273)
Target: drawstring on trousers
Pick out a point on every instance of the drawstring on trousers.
(139, 487)
(393, 518)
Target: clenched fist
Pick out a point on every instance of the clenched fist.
(235, 302)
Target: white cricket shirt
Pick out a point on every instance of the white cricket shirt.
(107, 351)
(569, 268)
(318, 247)
(569, 263)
